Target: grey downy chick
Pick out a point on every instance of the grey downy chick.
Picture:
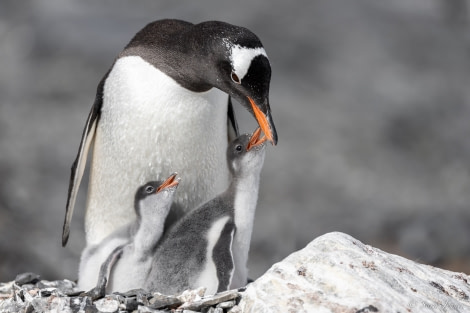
(131, 246)
(209, 246)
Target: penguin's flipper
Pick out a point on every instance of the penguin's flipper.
(105, 270)
(223, 257)
(78, 167)
(232, 125)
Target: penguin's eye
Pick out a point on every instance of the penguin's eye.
(235, 78)
(238, 148)
(149, 189)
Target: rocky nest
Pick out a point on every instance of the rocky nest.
(27, 293)
(334, 273)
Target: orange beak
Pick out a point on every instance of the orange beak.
(262, 121)
(255, 139)
(169, 182)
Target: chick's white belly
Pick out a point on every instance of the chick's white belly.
(91, 260)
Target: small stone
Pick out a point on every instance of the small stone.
(159, 301)
(29, 308)
(57, 304)
(125, 303)
(26, 278)
(208, 310)
(192, 295)
(64, 286)
(27, 296)
(46, 292)
(143, 298)
(82, 304)
(131, 303)
(219, 310)
(144, 309)
(39, 304)
(133, 293)
(211, 300)
(6, 287)
(107, 305)
(19, 296)
(235, 309)
(226, 304)
(28, 287)
(10, 305)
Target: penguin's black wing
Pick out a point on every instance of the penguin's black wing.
(232, 125)
(223, 256)
(105, 271)
(78, 166)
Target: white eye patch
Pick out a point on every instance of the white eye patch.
(241, 58)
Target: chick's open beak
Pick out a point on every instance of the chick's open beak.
(171, 181)
(256, 139)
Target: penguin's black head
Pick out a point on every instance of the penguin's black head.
(245, 155)
(239, 66)
(211, 54)
(156, 194)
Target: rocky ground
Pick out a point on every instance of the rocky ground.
(333, 273)
(370, 99)
(27, 293)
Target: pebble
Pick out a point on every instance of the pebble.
(211, 300)
(107, 305)
(145, 309)
(235, 309)
(159, 301)
(192, 295)
(29, 294)
(226, 304)
(26, 278)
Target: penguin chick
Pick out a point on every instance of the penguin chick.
(209, 246)
(131, 244)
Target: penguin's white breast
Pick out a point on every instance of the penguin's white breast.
(150, 127)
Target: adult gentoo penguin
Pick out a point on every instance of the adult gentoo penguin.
(155, 101)
(209, 246)
(131, 243)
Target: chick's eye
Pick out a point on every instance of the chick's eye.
(149, 189)
(235, 78)
(238, 148)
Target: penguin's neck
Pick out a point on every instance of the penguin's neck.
(245, 191)
(150, 225)
(246, 195)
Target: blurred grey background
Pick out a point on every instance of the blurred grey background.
(371, 100)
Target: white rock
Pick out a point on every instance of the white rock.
(144, 309)
(337, 273)
(107, 305)
(57, 304)
(192, 295)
